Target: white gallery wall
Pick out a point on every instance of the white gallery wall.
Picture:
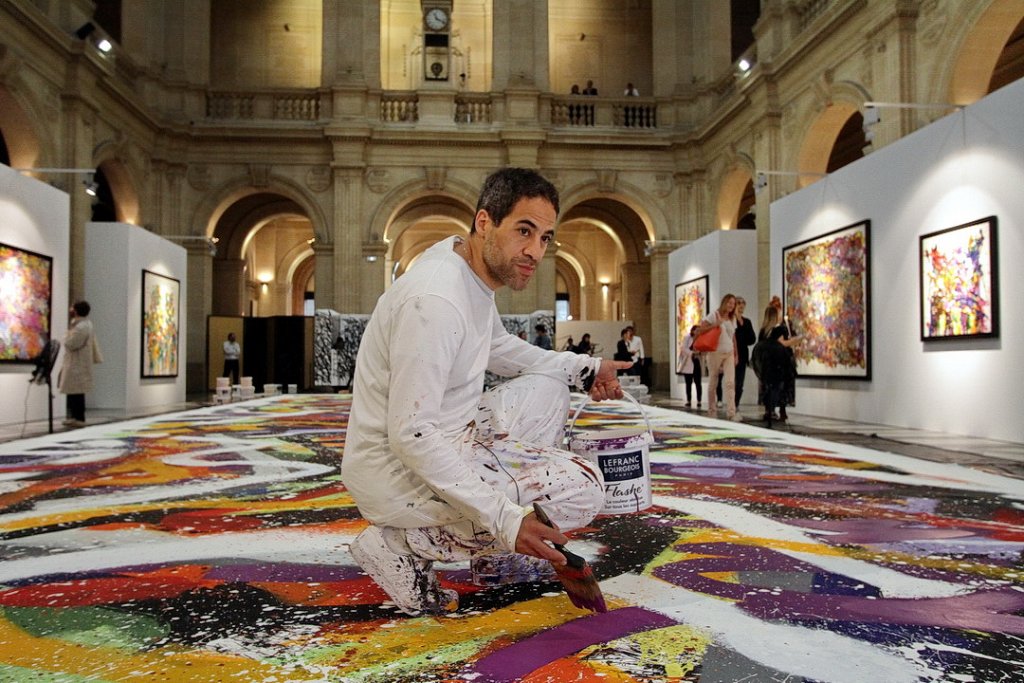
(729, 259)
(964, 167)
(115, 256)
(35, 216)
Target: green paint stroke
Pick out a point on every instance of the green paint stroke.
(90, 626)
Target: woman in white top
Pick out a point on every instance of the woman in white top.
(723, 359)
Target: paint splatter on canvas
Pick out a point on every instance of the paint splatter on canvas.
(826, 290)
(160, 306)
(25, 284)
(691, 307)
(210, 545)
(958, 281)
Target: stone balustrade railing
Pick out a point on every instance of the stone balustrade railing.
(292, 105)
(403, 107)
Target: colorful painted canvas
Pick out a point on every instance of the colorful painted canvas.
(160, 316)
(26, 284)
(691, 306)
(826, 298)
(212, 545)
(959, 284)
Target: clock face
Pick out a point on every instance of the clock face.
(436, 19)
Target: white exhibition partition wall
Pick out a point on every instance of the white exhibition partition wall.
(36, 217)
(729, 259)
(115, 256)
(963, 167)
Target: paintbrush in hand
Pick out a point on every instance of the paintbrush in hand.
(576, 575)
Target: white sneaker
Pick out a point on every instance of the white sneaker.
(736, 418)
(408, 580)
(499, 569)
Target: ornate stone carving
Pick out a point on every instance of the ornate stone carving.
(606, 180)
(377, 179)
(198, 176)
(259, 175)
(663, 184)
(436, 177)
(318, 178)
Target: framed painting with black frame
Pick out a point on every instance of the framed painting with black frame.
(959, 282)
(160, 324)
(826, 286)
(26, 279)
(692, 306)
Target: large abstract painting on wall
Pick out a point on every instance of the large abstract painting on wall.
(160, 308)
(826, 291)
(26, 283)
(691, 307)
(959, 282)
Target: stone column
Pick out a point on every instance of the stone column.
(197, 300)
(230, 277)
(323, 271)
(348, 242)
(658, 343)
(520, 45)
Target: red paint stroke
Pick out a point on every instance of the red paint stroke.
(529, 655)
(163, 583)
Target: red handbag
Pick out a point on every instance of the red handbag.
(708, 341)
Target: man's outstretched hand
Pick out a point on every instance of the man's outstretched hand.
(606, 384)
(533, 533)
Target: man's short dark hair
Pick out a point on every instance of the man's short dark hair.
(506, 186)
(541, 328)
(82, 308)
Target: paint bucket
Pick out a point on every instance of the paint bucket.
(624, 458)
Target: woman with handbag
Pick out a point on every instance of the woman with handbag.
(721, 357)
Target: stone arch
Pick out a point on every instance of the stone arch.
(820, 138)
(237, 212)
(400, 197)
(21, 119)
(980, 47)
(299, 275)
(732, 186)
(120, 178)
(653, 219)
(208, 212)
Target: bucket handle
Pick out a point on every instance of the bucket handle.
(639, 407)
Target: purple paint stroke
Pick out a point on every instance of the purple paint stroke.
(980, 611)
(283, 573)
(521, 658)
(726, 557)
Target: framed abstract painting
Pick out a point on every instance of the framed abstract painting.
(26, 289)
(959, 285)
(160, 324)
(826, 287)
(691, 306)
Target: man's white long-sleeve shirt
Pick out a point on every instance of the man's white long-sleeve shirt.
(418, 381)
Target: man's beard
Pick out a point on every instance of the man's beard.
(504, 272)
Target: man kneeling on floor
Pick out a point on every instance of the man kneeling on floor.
(441, 469)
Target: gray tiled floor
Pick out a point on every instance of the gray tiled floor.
(999, 457)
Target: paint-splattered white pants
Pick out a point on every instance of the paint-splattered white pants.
(516, 449)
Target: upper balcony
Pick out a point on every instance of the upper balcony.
(429, 109)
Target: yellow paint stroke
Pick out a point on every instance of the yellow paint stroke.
(335, 500)
(704, 535)
(18, 648)
(414, 637)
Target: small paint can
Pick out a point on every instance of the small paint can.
(624, 458)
